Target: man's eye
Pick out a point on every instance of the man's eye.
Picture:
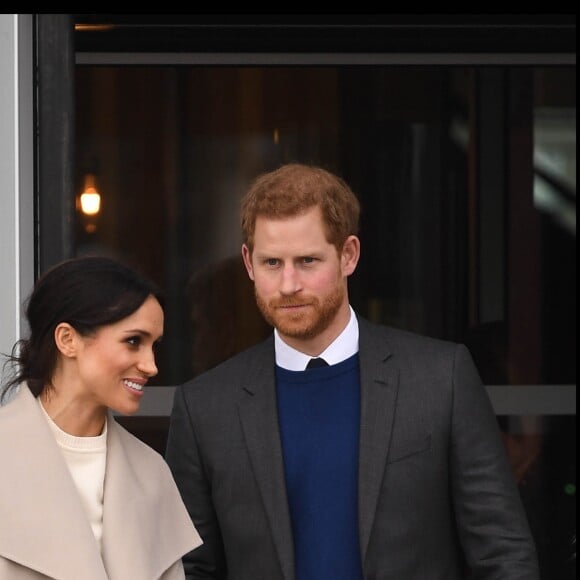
(272, 262)
(308, 260)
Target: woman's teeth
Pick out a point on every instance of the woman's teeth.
(132, 385)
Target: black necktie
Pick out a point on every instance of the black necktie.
(315, 363)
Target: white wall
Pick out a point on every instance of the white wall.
(16, 174)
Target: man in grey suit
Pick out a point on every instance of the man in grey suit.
(383, 462)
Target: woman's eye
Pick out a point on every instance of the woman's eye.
(134, 340)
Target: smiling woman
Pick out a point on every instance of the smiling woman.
(110, 365)
(94, 324)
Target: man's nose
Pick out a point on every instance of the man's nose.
(290, 283)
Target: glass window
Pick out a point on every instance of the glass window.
(542, 450)
(467, 180)
(466, 177)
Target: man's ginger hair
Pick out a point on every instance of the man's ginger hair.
(292, 190)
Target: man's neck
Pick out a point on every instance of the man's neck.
(316, 345)
(342, 347)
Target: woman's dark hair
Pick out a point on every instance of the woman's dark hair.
(88, 293)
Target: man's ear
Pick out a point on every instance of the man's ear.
(65, 338)
(247, 257)
(350, 255)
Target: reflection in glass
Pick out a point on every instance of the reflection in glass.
(459, 239)
(542, 450)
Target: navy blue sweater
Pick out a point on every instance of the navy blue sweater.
(319, 413)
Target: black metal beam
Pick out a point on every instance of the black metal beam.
(465, 33)
(54, 61)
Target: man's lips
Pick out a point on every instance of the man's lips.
(292, 308)
(290, 305)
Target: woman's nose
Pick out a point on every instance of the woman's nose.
(147, 365)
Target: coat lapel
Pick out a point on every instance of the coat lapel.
(43, 524)
(379, 388)
(259, 417)
(146, 528)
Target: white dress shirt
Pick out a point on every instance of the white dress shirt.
(344, 346)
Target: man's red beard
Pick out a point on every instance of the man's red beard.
(305, 323)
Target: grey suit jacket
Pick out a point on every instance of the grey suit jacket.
(435, 488)
(44, 531)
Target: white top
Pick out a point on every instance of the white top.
(344, 346)
(86, 458)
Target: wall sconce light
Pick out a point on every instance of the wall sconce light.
(90, 199)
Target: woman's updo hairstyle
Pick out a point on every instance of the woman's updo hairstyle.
(87, 293)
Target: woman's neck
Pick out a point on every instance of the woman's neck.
(72, 414)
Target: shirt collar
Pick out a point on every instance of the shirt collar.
(344, 346)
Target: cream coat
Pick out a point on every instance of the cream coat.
(44, 532)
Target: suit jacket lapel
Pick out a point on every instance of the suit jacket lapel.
(259, 417)
(43, 523)
(379, 388)
(258, 412)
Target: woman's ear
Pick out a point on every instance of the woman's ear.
(65, 338)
